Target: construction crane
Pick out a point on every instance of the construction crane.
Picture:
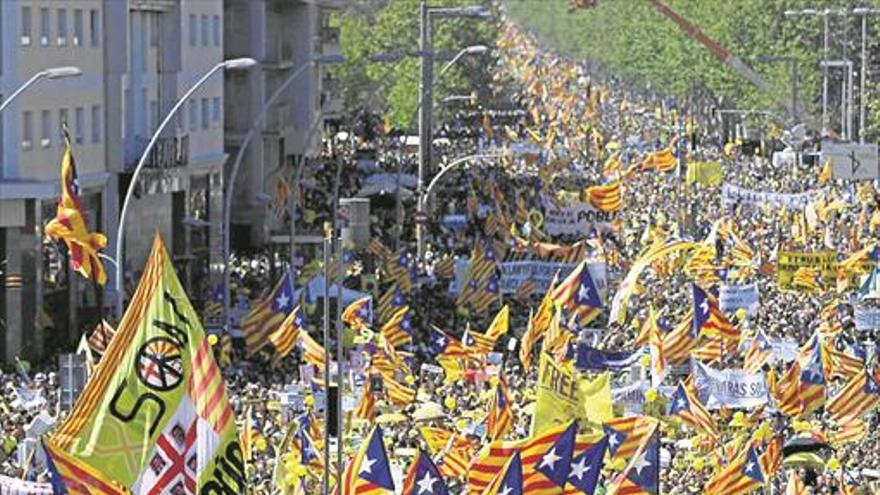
(730, 60)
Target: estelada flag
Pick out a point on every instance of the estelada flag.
(155, 415)
(70, 225)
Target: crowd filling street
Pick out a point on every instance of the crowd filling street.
(674, 214)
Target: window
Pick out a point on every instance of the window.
(62, 27)
(216, 30)
(193, 30)
(205, 113)
(62, 119)
(143, 41)
(193, 115)
(77, 27)
(204, 30)
(217, 109)
(44, 26)
(154, 115)
(94, 27)
(154, 30)
(25, 26)
(45, 129)
(80, 124)
(96, 124)
(27, 130)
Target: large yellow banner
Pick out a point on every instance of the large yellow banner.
(705, 173)
(563, 396)
(790, 261)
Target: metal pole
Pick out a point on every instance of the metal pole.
(862, 76)
(825, 69)
(328, 245)
(340, 432)
(849, 101)
(425, 110)
(21, 88)
(339, 277)
(794, 88)
(230, 189)
(120, 230)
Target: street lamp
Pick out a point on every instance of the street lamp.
(231, 64)
(470, 50)
(230, 192)
(426, 133)
(426, 84)
(53, 73)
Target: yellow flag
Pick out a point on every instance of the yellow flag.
(500, 324)
(562, 396)
(156, 404)
(825, 173)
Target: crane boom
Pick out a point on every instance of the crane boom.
(730, 60)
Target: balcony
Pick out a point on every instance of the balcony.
(169, 152)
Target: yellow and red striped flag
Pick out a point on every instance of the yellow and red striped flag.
(741, 476)
(687, 407)
(607, 197)
(71, 226)
(398, 329)
(312, 351)
(284, 339)
(500, 419)
(858, 396)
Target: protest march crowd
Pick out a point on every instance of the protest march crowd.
(613, 300)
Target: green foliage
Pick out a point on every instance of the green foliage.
(632, 39)
(372, 27)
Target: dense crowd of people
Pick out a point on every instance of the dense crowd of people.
(568, 132)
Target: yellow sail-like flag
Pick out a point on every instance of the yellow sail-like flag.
(155, 413)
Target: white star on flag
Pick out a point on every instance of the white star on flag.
(366, 465)
(580, 468)
(550, 459)
(640, 464)
(584, 292)
(282, 300)
(426, 484)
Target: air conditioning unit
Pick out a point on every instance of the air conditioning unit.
(26, 144)
(76, 41)
(25, 41)
(45, 142)
(62, 41)
(44, 40)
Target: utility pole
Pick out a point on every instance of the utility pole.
(426, 92)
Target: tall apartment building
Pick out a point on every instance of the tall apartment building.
(281, 35)
(137, 57)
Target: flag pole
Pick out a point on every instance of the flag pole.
(339, 383)
(328, 239)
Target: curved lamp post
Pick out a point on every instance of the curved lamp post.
(231, 64)
(420, 185)
(53, 73)
(227, 200)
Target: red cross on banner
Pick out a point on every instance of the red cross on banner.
(175, 462)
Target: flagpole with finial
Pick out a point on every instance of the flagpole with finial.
(328, 240)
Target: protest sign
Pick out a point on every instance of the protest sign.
(563, 396)
(705, 173)
(575, 218)
(733, 297)
(789, 262)
(731, 387)
(731, 195)
(514, 273)
(867, 318)
(15, 486)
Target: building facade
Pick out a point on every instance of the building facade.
(283, 36)
(137, 58)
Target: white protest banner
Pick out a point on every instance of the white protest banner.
(733, 297)
(731, 195)
(630, 397)
(575, 218)
(730, 387)
(514, 273)
(15, 486)
(783, 350)
(867, 318)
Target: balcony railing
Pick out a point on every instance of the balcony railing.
(168, 152)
